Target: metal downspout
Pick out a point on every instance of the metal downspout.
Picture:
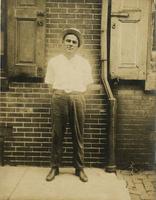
(111, 167)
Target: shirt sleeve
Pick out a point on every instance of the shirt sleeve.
(88, 74)
(49, 78)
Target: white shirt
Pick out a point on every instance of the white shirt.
(69, 74)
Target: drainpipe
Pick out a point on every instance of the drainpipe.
(111, 167)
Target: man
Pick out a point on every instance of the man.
(69, 74)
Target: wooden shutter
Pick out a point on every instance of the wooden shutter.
(129, 39)
(25, 37)
(150, 83)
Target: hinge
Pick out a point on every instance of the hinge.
(120, 14)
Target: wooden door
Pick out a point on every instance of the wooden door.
(129, 39)
(25, 37)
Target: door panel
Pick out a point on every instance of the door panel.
(129, 39)
(25, 45)
(26, 34)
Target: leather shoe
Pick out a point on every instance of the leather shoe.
(80, 172)
(52, 173)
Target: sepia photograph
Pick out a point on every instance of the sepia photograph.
(78, 100)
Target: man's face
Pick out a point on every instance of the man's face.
(70, 43)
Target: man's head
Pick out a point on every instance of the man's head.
(72, 40)
(73, 31)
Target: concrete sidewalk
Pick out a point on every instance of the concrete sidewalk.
(28, 183)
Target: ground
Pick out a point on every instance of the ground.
(28, 183)
(141, 185)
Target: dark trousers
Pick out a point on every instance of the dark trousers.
(68, 106)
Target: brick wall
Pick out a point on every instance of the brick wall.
(26, 106)
(82, 14)
(135, 125)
